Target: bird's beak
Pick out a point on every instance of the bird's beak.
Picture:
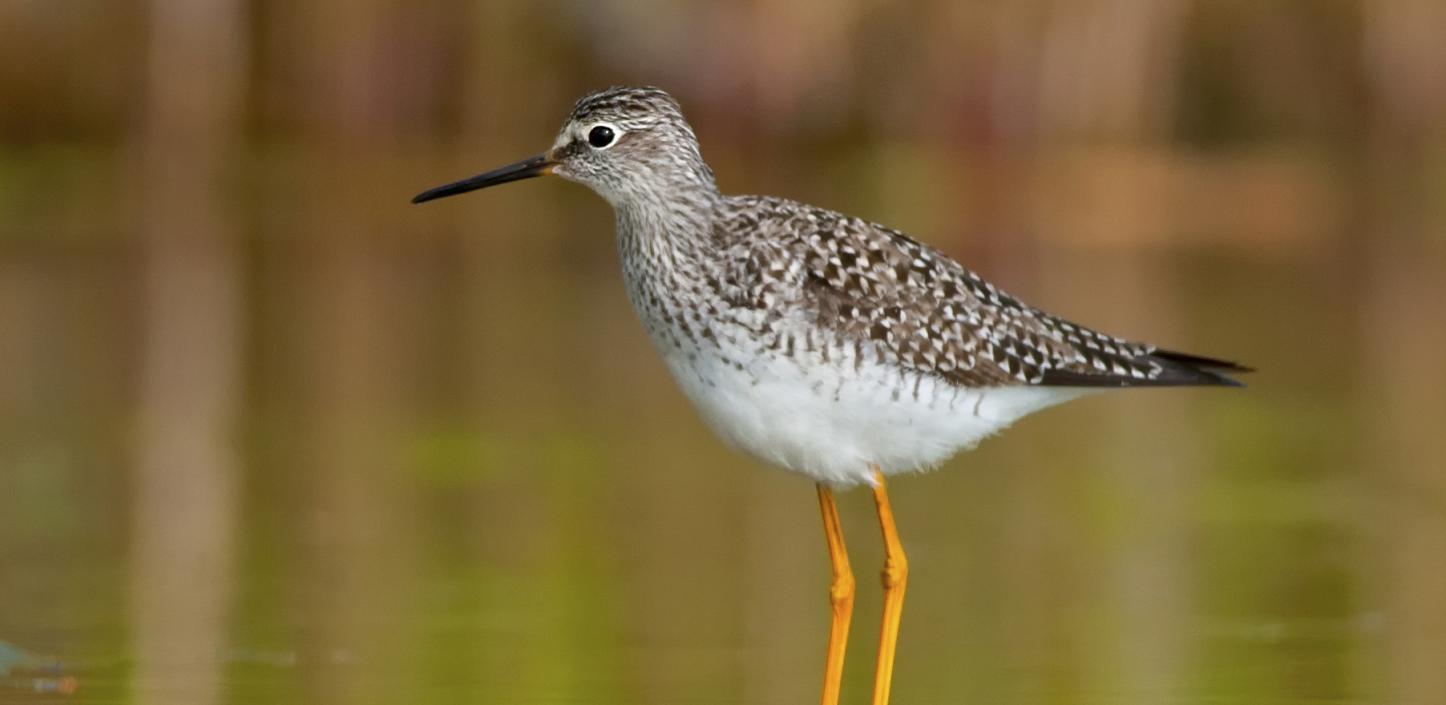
(540, 165)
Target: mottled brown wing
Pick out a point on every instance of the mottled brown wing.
(926, 312)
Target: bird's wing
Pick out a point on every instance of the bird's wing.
(918, 308)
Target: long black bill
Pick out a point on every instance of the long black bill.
(539, 165)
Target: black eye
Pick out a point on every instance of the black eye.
(600, 136)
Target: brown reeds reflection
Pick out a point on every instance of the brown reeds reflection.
(187, 472)
(1408, 514)
(1401, 344)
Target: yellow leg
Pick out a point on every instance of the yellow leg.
(840, 597)
(896, 578)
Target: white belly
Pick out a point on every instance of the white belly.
(834, 420)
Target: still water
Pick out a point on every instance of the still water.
(373, 454)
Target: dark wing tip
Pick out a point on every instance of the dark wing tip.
(1200, 362)
(1177, 370)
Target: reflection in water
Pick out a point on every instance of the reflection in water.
(561, 528)
(186, 473)
(1403, 346)
(24, 672)
(1148, 482)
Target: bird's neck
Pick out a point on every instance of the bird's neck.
(671, 229)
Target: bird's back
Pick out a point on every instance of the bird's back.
(915, 307)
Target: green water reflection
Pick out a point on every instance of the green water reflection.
(454, 471)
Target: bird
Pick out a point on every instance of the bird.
(819, 342)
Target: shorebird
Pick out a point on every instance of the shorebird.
(818, 342)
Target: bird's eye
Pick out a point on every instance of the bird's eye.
(600, 136)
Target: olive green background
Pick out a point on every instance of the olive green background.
(270, 434)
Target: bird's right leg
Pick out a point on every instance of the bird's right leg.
(840, 596)
(896, 578)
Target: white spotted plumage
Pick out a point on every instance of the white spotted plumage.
(820, 342)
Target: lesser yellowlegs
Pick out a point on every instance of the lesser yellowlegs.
(818, 342)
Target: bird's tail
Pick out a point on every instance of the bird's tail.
(1177, 370)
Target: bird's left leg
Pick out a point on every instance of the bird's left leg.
(840, 597)
(896, 578)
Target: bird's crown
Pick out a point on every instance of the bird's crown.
(628, 107)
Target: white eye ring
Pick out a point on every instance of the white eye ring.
(602, 135)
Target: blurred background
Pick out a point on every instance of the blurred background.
(270, 434)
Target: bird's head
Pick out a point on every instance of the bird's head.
(630, 145)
